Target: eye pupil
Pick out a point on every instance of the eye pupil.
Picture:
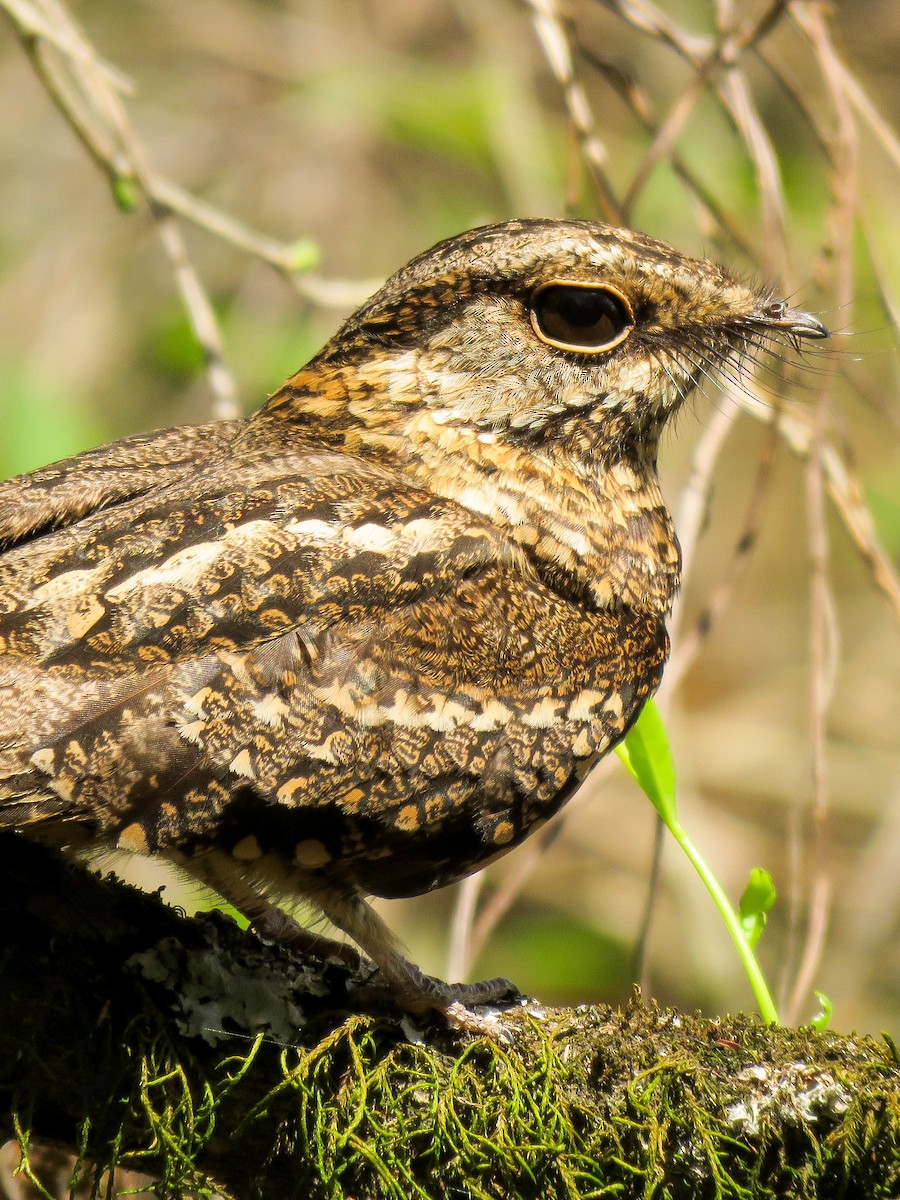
(581, 318)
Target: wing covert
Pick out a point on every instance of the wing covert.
(63, 493)
(231, 559)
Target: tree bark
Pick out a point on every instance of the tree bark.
(215, 1062)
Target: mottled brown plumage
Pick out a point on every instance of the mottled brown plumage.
(368, 639)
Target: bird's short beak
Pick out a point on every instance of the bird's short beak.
(777, 315)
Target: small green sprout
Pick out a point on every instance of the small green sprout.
(126, 193)
(822, 1018)
(303, 255)
(647, 755)
(759, 896)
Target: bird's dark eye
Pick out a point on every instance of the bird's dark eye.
(581, 317)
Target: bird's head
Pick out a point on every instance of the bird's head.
(535, 332)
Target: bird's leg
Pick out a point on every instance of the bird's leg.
(275, 925)
(224, 875)
(409, 985)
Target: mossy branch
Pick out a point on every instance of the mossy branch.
(216, 1063)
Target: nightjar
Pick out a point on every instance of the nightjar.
(368, 639)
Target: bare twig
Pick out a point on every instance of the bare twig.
(646, 17)
(843, 150)
(737, 96)
(688, 645)
(465, 907)
(87, 92)
(842, 482)
(551, 35)
(513, 116)
(724, 53)
(639, 105)
(823, 656)
(693, 503)
(83, 94)
(823, 623)
(669, 131)
(526, 861)
(36, 24)
(808, 18)
(706, 57)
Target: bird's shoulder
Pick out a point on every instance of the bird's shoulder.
(65, 492)
(260, 540)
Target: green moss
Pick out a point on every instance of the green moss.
(562, 1103)
(582, 1104)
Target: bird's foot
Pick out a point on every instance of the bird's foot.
(405, 985)
(418, 993)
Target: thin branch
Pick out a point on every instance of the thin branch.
(739, 100)
(33, 23)
(551, 34)
(283, 256)
(646, 17)
(823, 621)
(465, 907)
(92, 108)
(807, 17)
(688, 645)
(693, 505)
(726, 52)
(639, 105)
(703, 54)
(843, 484)
(823, 642)
(86, 91)
(843, 155)
(670, 130)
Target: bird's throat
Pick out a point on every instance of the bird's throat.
(597, 531)
(590, 518)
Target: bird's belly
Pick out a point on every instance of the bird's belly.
(396, 835)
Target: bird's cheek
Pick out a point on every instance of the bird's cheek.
(634, 376)
(447, 393)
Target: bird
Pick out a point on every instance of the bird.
(366, 640)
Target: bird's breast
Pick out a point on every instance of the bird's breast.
(406, 761)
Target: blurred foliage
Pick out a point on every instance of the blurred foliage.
(556, 955)
(375, 127)
(40, 420)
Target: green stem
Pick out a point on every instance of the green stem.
(764, 1000)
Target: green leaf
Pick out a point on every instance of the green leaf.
(648, 756)
(758, 897)
(822, 1019)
